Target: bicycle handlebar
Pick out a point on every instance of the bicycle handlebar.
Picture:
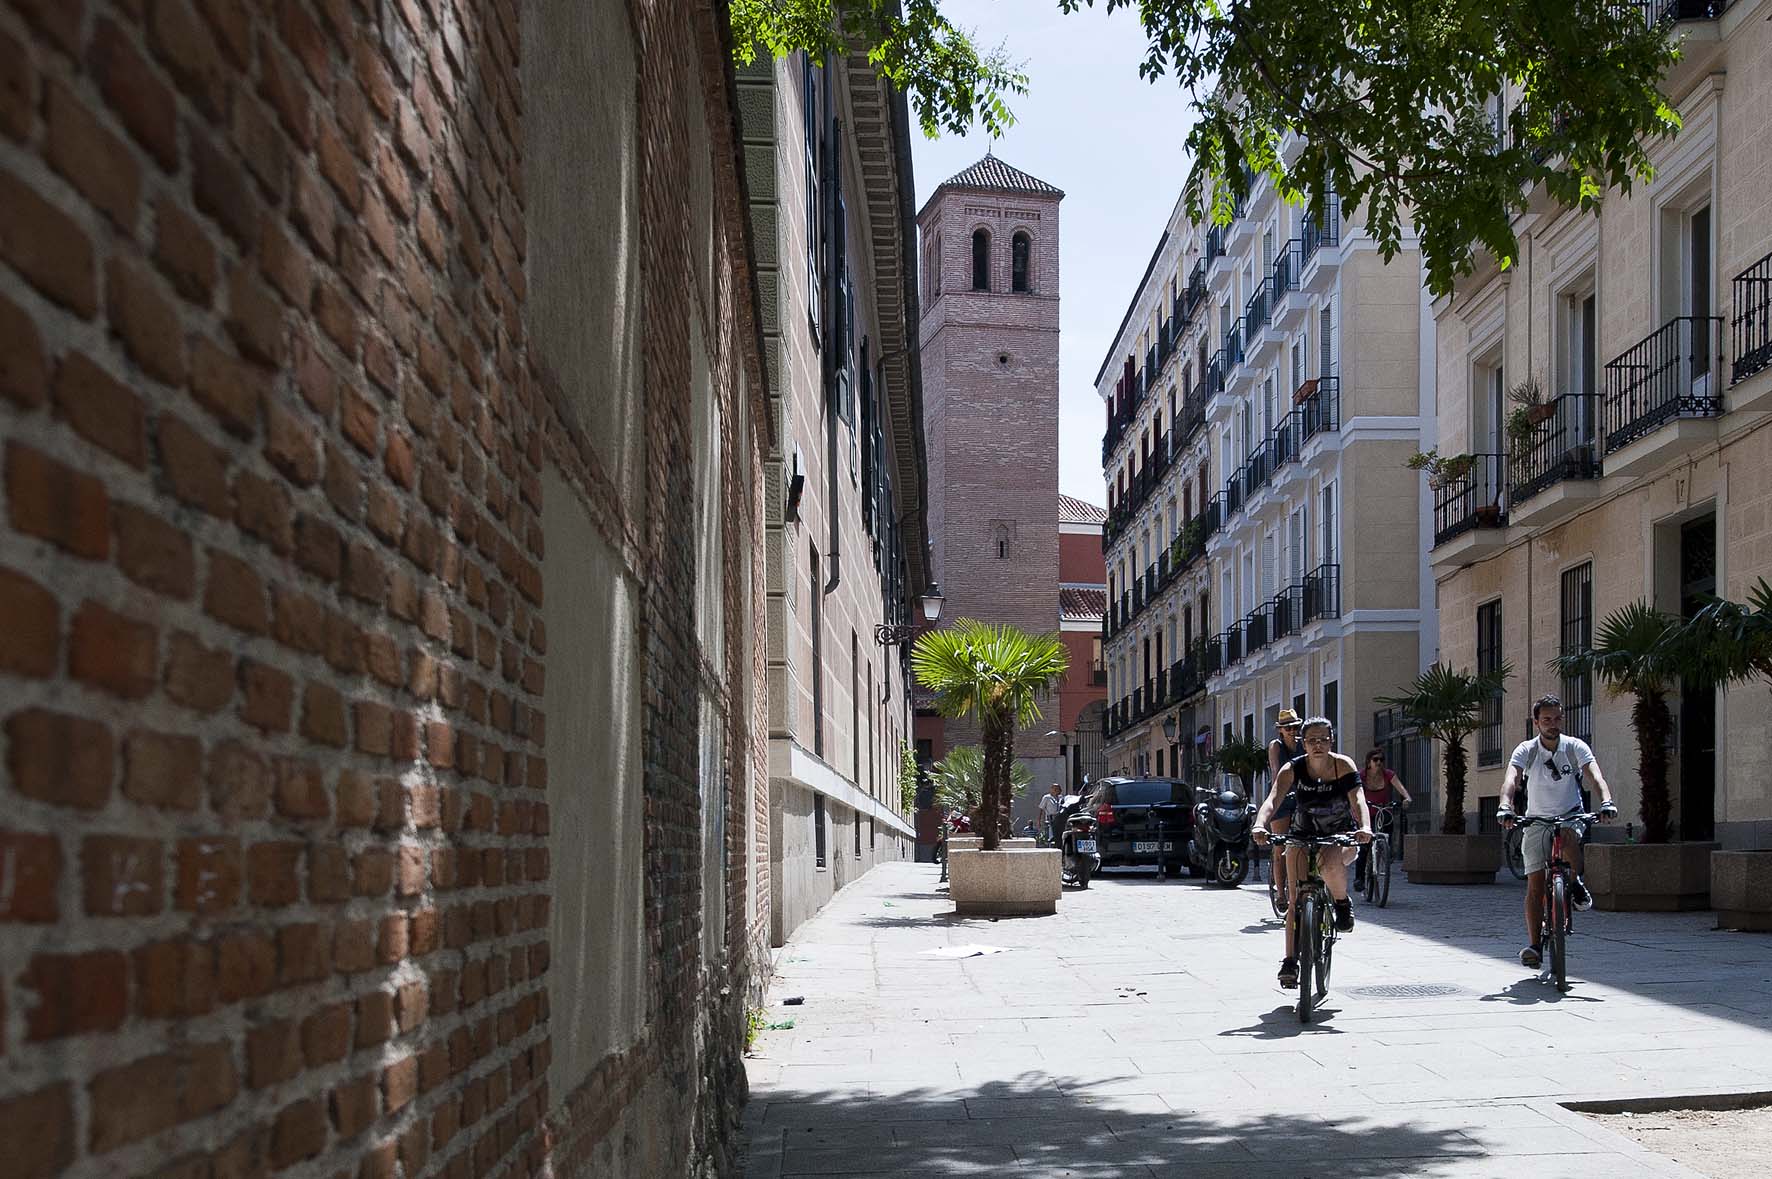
(1319, 841)
(1558, 820)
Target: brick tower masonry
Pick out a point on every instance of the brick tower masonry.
(989, 237)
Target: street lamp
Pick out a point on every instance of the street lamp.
(1169, 729)
(888, 634)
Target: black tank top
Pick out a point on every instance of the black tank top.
(1324, 805)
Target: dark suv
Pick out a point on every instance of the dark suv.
(1142, 821)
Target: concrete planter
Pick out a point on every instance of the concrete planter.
(1010, 882)
(1649, 877)
(1741, 889)
(975, 842)
(1452, 859)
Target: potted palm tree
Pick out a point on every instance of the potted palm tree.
(1646, 653)
(1731, 642)
(1242, 759)
(995, 675)
(1447, 706)
(959, 785)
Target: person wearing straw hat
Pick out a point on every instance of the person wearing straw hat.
(1282, 750)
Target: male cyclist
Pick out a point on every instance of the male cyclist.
(1327, 799)
(1284, 748)
(1553, 766)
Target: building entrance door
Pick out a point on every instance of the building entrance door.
(1698, 702)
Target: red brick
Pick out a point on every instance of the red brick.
(31, 639)
(225, 387)
(152, 552)
(399, 1083)
(299, 1133)
(337, 316)
(411, 861)
(301, 790)
(47, 247)
(140, 100)
(354, 1106)
(353, 946)
(122, 877)
(163, 770)
(146, 320)
(232, 27)
(239, 782)
(273, 1053)
(200, 678)
(262, 146)
(246, 965)
(375, 1019)
(56, 503)
(392, 939)
(18, 90)
(209, 875)
(423, 938)
(285, 266)
(184, 45)
(76, 994)
(263, 509)
(31, 866)
(101, 409)
(303, 954)
(141, 1099)
(326, 1035)
(112, 652)
(339, 166)
(235, 594)
(195, 471)
(285, 91)
(255, 318)
(312, 213)
(318, 547)
(96, 162)
(175, 978)
(314, 376)
(291, 446)
(272, 879)
(329, 873)
(372, 872)
(59, 758)
(183, 252)
(24, 367)
(38, 1129)
(323, 715)
(398, 460)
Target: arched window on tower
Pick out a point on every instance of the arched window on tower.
(981, 259)
(1018, 254)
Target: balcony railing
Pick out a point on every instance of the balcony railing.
(1287, 265)
(1233, 493)
(1214, 244)
(1477, 500)
(1196, 289)
(1320, 412)
(1752, 325)
(1214, 377)
(1327, 234)
(1668, 11)
(1288, 439)
(1259, 467)
(1212, 655)
(1673, 373)
(1255, 311)
(1185, 677)
(1214, 514)
(1233, 643)
(1322, 593)
(1233, 345)
(1255, 629)
(1560, 447)
(1286, 611)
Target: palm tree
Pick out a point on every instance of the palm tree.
(1242, 758)
(1447, 706)
(1646, 653)
(995, 674)
(959, 779)
(1727, 642)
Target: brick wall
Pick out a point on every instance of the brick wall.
(276, 843)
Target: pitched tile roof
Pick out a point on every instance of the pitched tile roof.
(1072, 510)
(991, 172)
(1082, 605)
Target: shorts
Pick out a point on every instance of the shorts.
(1288, 806)
(1535, 844)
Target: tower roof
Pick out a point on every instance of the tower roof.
(992, 173)
(1072, 510)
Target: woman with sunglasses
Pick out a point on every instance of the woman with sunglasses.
(1378, 781)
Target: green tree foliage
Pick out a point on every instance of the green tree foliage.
(1393, 99)
(959, 779)
(996, 675)
(1241, 758)
(908, 777)
(1447, 706)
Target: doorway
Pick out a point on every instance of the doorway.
(1698, 702)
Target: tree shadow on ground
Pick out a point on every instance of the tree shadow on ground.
(1042, 1124)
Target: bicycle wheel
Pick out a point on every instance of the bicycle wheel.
(1310, 933)
(1378, 872)
(1273, 890)
(1559, 920)
(1516, 854)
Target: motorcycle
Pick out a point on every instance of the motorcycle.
(1078, 859)
(1222, 837)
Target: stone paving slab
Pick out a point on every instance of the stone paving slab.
(1139, 1032)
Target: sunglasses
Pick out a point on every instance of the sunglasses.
(1556, 774)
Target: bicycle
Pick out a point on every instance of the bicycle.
(1557, 921)
(1379, 855)
(1515, 854)
(1314, 910)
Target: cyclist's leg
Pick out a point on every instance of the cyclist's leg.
(1535, 846)
(1293, 859)
(1280, 824)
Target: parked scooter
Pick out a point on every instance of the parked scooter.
(1078, 859)
(1222, 837)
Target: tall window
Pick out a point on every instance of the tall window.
(1018, 254)
(1332, 706)
(809, 103)
(981, 260)
(1327, 545)
(818, 832)
(1575, 634)
(1489, 659)
(816, 591)
(855, 708)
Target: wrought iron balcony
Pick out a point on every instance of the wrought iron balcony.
(1233, 644)
(1287, 265)
(1668, 11)
(1255, 311)
(1560, 447)
(1475, 500)
(1213, 515)
(1320, 411)
(1327, 234)
(1752, 290)
(1138, 702)
(1193, 415)
(1233, 345)
(1185, 677)
(1255, 632)
(1233, 493)
(1322, 593)
(1214, 244)
(1259, 467)
(1195, 294)
(1212, 655)
(1286, 611)
(1673, 373)
(1214, 375)
(1288, 439)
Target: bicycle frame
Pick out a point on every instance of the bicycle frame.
(1313, 943)
(1556, 917)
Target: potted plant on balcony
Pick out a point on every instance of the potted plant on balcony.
(1646, 653)
(1447, 706)
(1442, 470)
(1305, 391)
(1732, 643)
(1532, 406)
(995, 675)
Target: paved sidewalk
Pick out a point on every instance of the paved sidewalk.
(1139, 1032)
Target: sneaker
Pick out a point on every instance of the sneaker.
(1530, 956)
(1282, 904)
(1580, 897)
(1289, 973)
(1344, 916)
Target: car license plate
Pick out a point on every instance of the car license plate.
(1144, 845)
(1085, 845)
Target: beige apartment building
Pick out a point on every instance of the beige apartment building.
(1263, 397)
(845, 488)
(1647, 331)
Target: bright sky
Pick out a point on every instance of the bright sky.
(1112, 142)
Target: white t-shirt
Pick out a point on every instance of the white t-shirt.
(1050, 805)
(1548, 794)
